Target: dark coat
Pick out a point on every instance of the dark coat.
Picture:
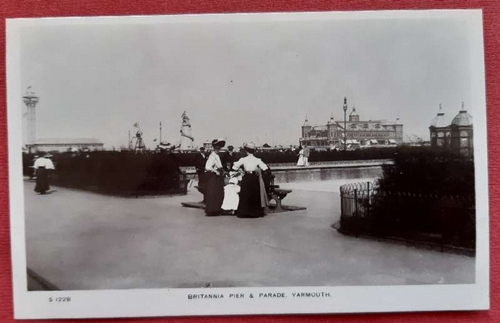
(199, 163)
(228, 160)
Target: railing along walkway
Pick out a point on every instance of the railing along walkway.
(317, 165)
(446, 220)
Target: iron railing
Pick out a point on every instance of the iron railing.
(448, 221)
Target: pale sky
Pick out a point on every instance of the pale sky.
(242, 81)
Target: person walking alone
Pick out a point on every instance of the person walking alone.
(42, 166)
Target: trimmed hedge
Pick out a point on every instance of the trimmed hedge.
(121, 173)
(428, 194)
(429, 171)
(73, 160)
(131, 173)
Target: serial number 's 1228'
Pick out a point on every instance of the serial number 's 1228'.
(59, 299)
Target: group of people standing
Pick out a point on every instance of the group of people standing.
(233, 185)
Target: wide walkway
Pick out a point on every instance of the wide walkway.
(79, 240)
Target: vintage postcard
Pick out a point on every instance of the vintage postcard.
(327, 162)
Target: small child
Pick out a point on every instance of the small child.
(231, 197)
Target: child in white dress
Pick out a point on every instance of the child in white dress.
(231, 197)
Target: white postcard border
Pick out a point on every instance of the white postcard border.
(176, 302)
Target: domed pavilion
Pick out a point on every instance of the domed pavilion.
(457, 136)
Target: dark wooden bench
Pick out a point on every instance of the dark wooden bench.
(277, 194)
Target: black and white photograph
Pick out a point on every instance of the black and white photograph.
(248, 164)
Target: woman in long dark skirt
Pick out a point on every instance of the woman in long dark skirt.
(253, 196)
(250, 204)
(42, 166)
(214, 195)
(214, 180)
(42, 180)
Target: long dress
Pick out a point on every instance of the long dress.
(301, 161)
(214, 190)
(42, 180)
(253, 198)
(231, 197)
(42, 166)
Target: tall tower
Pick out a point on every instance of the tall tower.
(186, 137)
(31, 100)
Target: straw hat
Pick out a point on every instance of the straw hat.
(164, 145)
(220, 142)
(249, 145)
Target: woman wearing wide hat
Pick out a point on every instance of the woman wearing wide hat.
(253, 195)
(214, 192)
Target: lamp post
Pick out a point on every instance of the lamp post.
(345, 124)
(129, 141)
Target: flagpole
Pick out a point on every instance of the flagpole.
(160, 133)
(129, 143)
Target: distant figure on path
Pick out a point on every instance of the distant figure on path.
(214, 193)
(306, 153)
(301, 161)
(253, 195)
(42, 167)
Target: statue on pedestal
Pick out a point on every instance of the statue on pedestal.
(186, 137)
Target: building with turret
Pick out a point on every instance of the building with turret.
(457, 136)
(357, 132)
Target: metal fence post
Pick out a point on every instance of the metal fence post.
(356, 202)
(341, 204)
(369, 204)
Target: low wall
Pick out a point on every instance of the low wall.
(284, 167)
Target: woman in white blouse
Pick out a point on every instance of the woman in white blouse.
(214, 193)
(42, 166)
(253, 195)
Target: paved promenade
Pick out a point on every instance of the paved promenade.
(80, 240)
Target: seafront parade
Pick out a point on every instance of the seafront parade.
(354, 190)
